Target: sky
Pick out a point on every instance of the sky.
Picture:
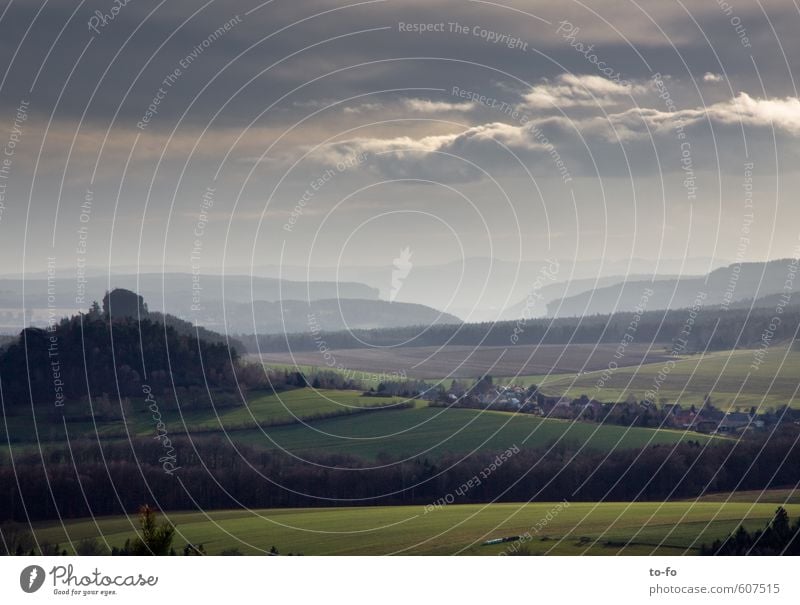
(239, 134)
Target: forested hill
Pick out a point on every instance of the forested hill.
(712, 328)
(186, 328)
(90, 354)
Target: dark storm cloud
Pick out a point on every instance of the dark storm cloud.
(358, 83)
(462, 54)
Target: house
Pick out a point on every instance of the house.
(705, 426)
(562, 408)
(711, 414)
(684, 419)
(588, 409)
(733, 422)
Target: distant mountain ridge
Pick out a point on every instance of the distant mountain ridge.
(173, 292)
(331, 315)
(484, 289)
(535, 304)
(724, 286)
(271, 306)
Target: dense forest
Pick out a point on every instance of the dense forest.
(214, 474)
(713, 329)
(117, 352)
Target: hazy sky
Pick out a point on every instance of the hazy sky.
(515, 129)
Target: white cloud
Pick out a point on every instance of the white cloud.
(426, 106)
(416, 105)
(784, 113)
(364, 107)
(601, 136)
(712, 78)
(579, 90)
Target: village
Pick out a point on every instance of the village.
(701, 417)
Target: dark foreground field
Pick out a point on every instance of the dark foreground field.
(610, 528)
(473, 362)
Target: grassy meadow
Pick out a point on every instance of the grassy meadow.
(262, 409)
(432, 431)
(608, 528)
(305, 421)
(727, 376)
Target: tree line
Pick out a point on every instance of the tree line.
(713, 329)
(216, 474)
(779, 537)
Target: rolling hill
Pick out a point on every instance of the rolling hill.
(727, 377)
(722, 286)
(435, 431)
(330, 315)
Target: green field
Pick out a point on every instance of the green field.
(262, 409)
(305, 421)
(437, 430)
(672, 528)
(289, 406)
(788, 495)
(726, 376)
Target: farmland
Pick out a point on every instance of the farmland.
(262, 409)
(608, 528)
(432, 431)
(402, 432)
(280, 408)
(727, 376)
(788, 495)
(472, 362)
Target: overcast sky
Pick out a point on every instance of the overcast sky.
(237, 133)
